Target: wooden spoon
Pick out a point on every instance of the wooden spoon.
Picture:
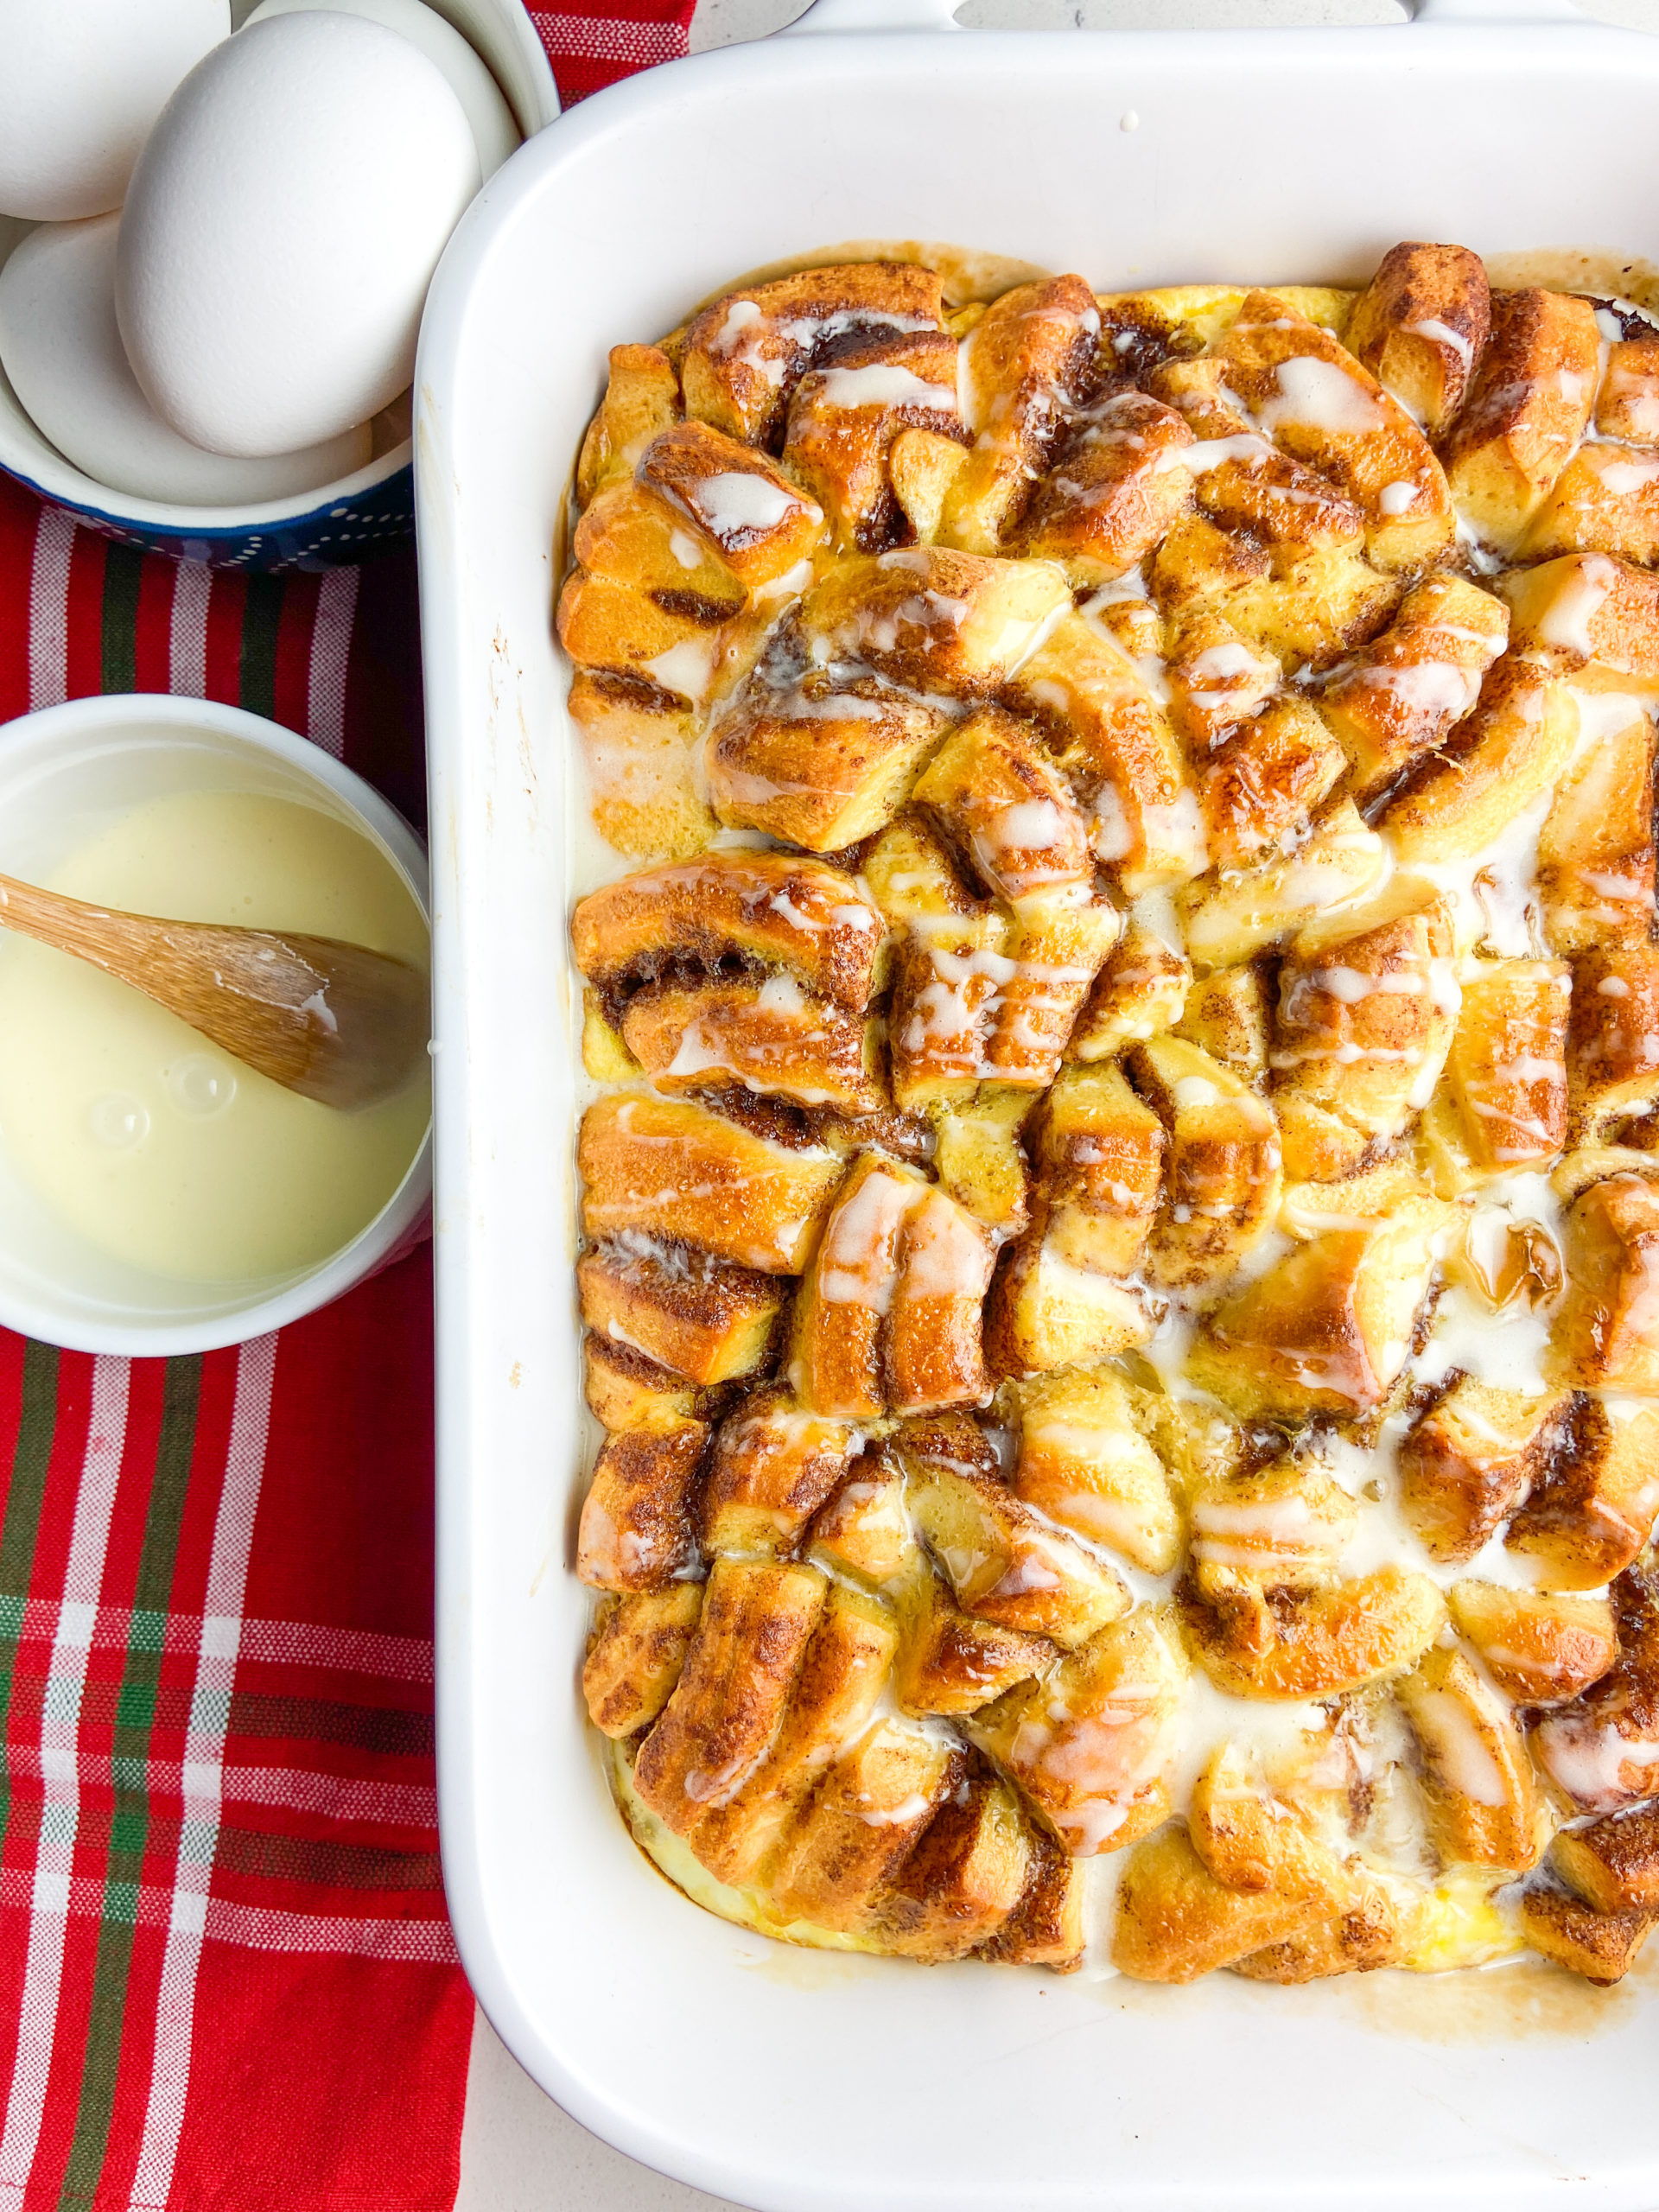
(335, 1022)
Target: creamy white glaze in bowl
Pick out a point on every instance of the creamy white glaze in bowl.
(67, 775)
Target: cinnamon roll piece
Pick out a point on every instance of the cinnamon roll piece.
(843, 419)
(1613, 1054)
(818, 758)
(1003, 1564)
(770, 1036)
(1602, 1947)
(939, 620)
(888, 1319)
(1032, 355)
(1311, 396)
(981, 992)
(1227, 916)
(776, 911)
(1596, 849)
(667, 1168)
(1614, 1863)
(1627, 405)
(1501, 1103)
(954, 1663)
(1257, 790)
(1605, 500)
(772, 1466)
(998, 798)
(635, 1654)
(1529, 404)
(1281, 1527)
(1403, 692)
(630, 535)
(642, 398)
(1591, 1512)
(1470, 1461)
(787, 949)
(1539, 1646)
(1114, 745)
(1217, 680)
(637, 745)
(1228, 1015)
(842, 1672)
(1175, 1921)
(683, 1309)
(1590, 618)
(1084, 1462)
(1420, 327)
(1141, 991)
(744, 355)
(1060, 1298)
(628, 1391)
(1601, 1750)
(758, 523)
(1224, 1173)
(729, 1703)
(1046, 1928)
(864, 1529)
(1327, 1329)
(1368, 1004)
(849, 1841)
(639, 1520)
(669, 639)
(964, 1878)
(1323, 1642)
(1091, 1745)
(1113, 491)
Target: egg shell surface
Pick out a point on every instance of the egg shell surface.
(61, 349)
(81, 83)
(494, 132)
(281, 229)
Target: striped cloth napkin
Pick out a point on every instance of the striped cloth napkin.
(227, 1981)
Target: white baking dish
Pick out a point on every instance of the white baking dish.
(788, 2080)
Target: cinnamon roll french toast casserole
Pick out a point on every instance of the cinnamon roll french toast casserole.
(1120, 1186)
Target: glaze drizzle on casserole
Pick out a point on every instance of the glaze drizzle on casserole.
(1122, 1208)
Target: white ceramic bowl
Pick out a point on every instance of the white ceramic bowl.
(65, 774)
(337, 522)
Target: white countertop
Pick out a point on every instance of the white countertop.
(518, 2152)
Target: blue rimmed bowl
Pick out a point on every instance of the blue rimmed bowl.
(339, 523)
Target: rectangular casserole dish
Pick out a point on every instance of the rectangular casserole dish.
(794, 2080)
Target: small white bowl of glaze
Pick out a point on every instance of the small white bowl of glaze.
(67, 775)
(333, 523)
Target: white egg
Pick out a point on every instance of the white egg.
(494, 132)
(60, 348)
(81, 82)
(282, 228)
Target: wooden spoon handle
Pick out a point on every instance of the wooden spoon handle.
(335, 1021)
(92, 932)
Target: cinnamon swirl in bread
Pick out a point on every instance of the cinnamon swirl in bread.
(1121, 1183)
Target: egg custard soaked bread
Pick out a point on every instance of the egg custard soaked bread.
(1121, 1193)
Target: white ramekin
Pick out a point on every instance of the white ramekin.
(64, 774)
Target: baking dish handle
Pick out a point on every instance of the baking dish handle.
(875, 16)
(829, 16)
(1496, 12)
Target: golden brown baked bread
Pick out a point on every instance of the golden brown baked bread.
(1120, 1191)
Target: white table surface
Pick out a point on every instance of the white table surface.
(518, 2152)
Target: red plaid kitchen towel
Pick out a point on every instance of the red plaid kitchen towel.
(595, 43)
(227, 1981)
